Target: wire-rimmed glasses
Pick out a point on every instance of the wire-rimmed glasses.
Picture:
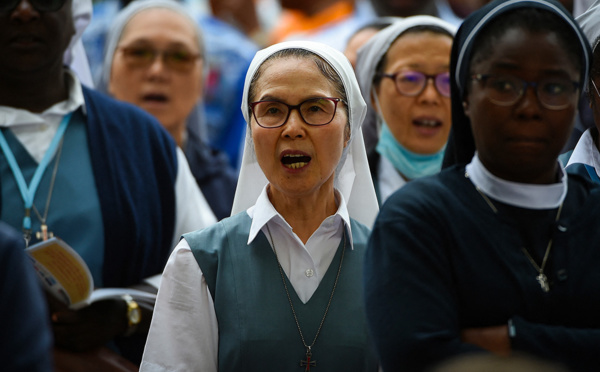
(413, 83)
(554, 93)
(314, 111)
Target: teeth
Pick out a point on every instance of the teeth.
(428, 123)
(296, 165)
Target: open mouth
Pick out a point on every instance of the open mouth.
(295, 161)
(155, 97)
(427, 123)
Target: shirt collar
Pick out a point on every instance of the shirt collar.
(10, 116)
(521, 195)
(585, 151)
(264, 212)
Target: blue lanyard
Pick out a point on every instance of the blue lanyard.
(28, 193)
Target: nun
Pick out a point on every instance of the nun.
(403, 72)
(277, 286)
(498, 252)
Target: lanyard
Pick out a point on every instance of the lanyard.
(28, 193)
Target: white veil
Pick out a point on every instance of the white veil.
(352, 176)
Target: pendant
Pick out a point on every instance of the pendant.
(543, 280)
(308, 362)
(44, 234)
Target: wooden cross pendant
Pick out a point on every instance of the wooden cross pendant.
(308, 362)
(44, 234)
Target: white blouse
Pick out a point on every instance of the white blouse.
(184, 331)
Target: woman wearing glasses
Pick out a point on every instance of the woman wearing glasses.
(403, 73)
(499, 251)
(154, 59)
(277, 286)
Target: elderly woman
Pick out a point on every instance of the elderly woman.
(278, 285)
(585, 159)
(394, 69)
(155, 60)
(499, 251)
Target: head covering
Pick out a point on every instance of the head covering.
(75, 56)
(352, 177)
(461, 145)
(589, 22)
(116, 31)
(370, 54)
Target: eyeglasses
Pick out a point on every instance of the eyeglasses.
(142, 57)
(412, 83)
(314, 111)
(39, 5)
(553, 93)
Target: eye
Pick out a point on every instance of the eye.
(503, 84)
(180, 56)
(140, 53)
(410, 78)
(555, 87)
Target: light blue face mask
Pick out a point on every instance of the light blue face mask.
(411, 165)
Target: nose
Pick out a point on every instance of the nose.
(24, 12)
(430, 93)
(529, 104)
(157, 67)
(294, 126)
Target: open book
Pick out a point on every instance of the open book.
(65, 275)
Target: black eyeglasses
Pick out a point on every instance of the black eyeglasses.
(412, 83)
(39, 5)
(554, 93)
(143, 56)
(314, 111)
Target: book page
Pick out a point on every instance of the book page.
(62, 270)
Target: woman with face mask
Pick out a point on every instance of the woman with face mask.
(403, 73)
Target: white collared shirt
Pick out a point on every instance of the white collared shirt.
(586, 152)
(35, 132)
(389, 179)
(185, 307)
(518, 194)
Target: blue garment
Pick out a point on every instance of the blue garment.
(213, 173)
(74, 194)
(25, 335)
(411, 165)
(134, 165)
(439, 260)
(257, 331)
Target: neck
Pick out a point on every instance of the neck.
(306, 213)
(178, 133)
(33, 92)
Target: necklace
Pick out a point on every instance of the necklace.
(44, 234)
(541, 278)
(28, 191)
(308, 362)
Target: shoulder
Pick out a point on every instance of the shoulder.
(427, 194)
(114, 113)
(218, 236)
